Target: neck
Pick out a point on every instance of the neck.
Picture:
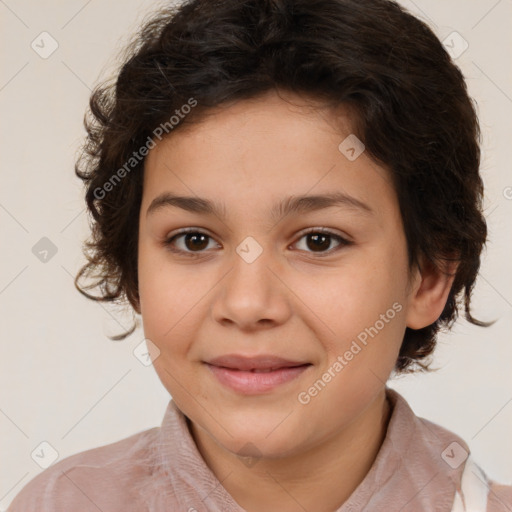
(321, 479)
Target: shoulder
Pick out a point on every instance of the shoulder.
(427, 448)
(473, 476)
(97, 479)
(499, 498)
(478, 492)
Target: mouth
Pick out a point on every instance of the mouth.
(255, 375)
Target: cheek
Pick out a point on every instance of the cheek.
(358, 298)
(163, 287)
(169, 308)
(162, 297)
(174, 304)
(364, 311)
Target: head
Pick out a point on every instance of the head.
(249, 105)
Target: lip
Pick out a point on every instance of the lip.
(255, 375)
(259, 362)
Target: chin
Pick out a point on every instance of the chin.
(264, 439)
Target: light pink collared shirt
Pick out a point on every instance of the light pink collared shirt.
(161, 470)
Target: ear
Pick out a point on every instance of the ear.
(430, 290)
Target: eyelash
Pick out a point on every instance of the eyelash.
(169, 241)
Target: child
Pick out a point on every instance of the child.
(255, 130)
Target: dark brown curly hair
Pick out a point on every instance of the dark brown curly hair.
(411, 110)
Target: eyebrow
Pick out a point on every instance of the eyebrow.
(293, 204)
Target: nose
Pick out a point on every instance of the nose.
(252, 295)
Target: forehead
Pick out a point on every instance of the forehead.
(259, 153)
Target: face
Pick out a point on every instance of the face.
(276, 327)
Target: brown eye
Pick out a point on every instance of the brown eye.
(319, 241)
(194, 242)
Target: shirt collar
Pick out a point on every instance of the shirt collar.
(409, 467)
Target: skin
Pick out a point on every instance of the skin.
(291, 301)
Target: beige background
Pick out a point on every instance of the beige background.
(62, 380)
